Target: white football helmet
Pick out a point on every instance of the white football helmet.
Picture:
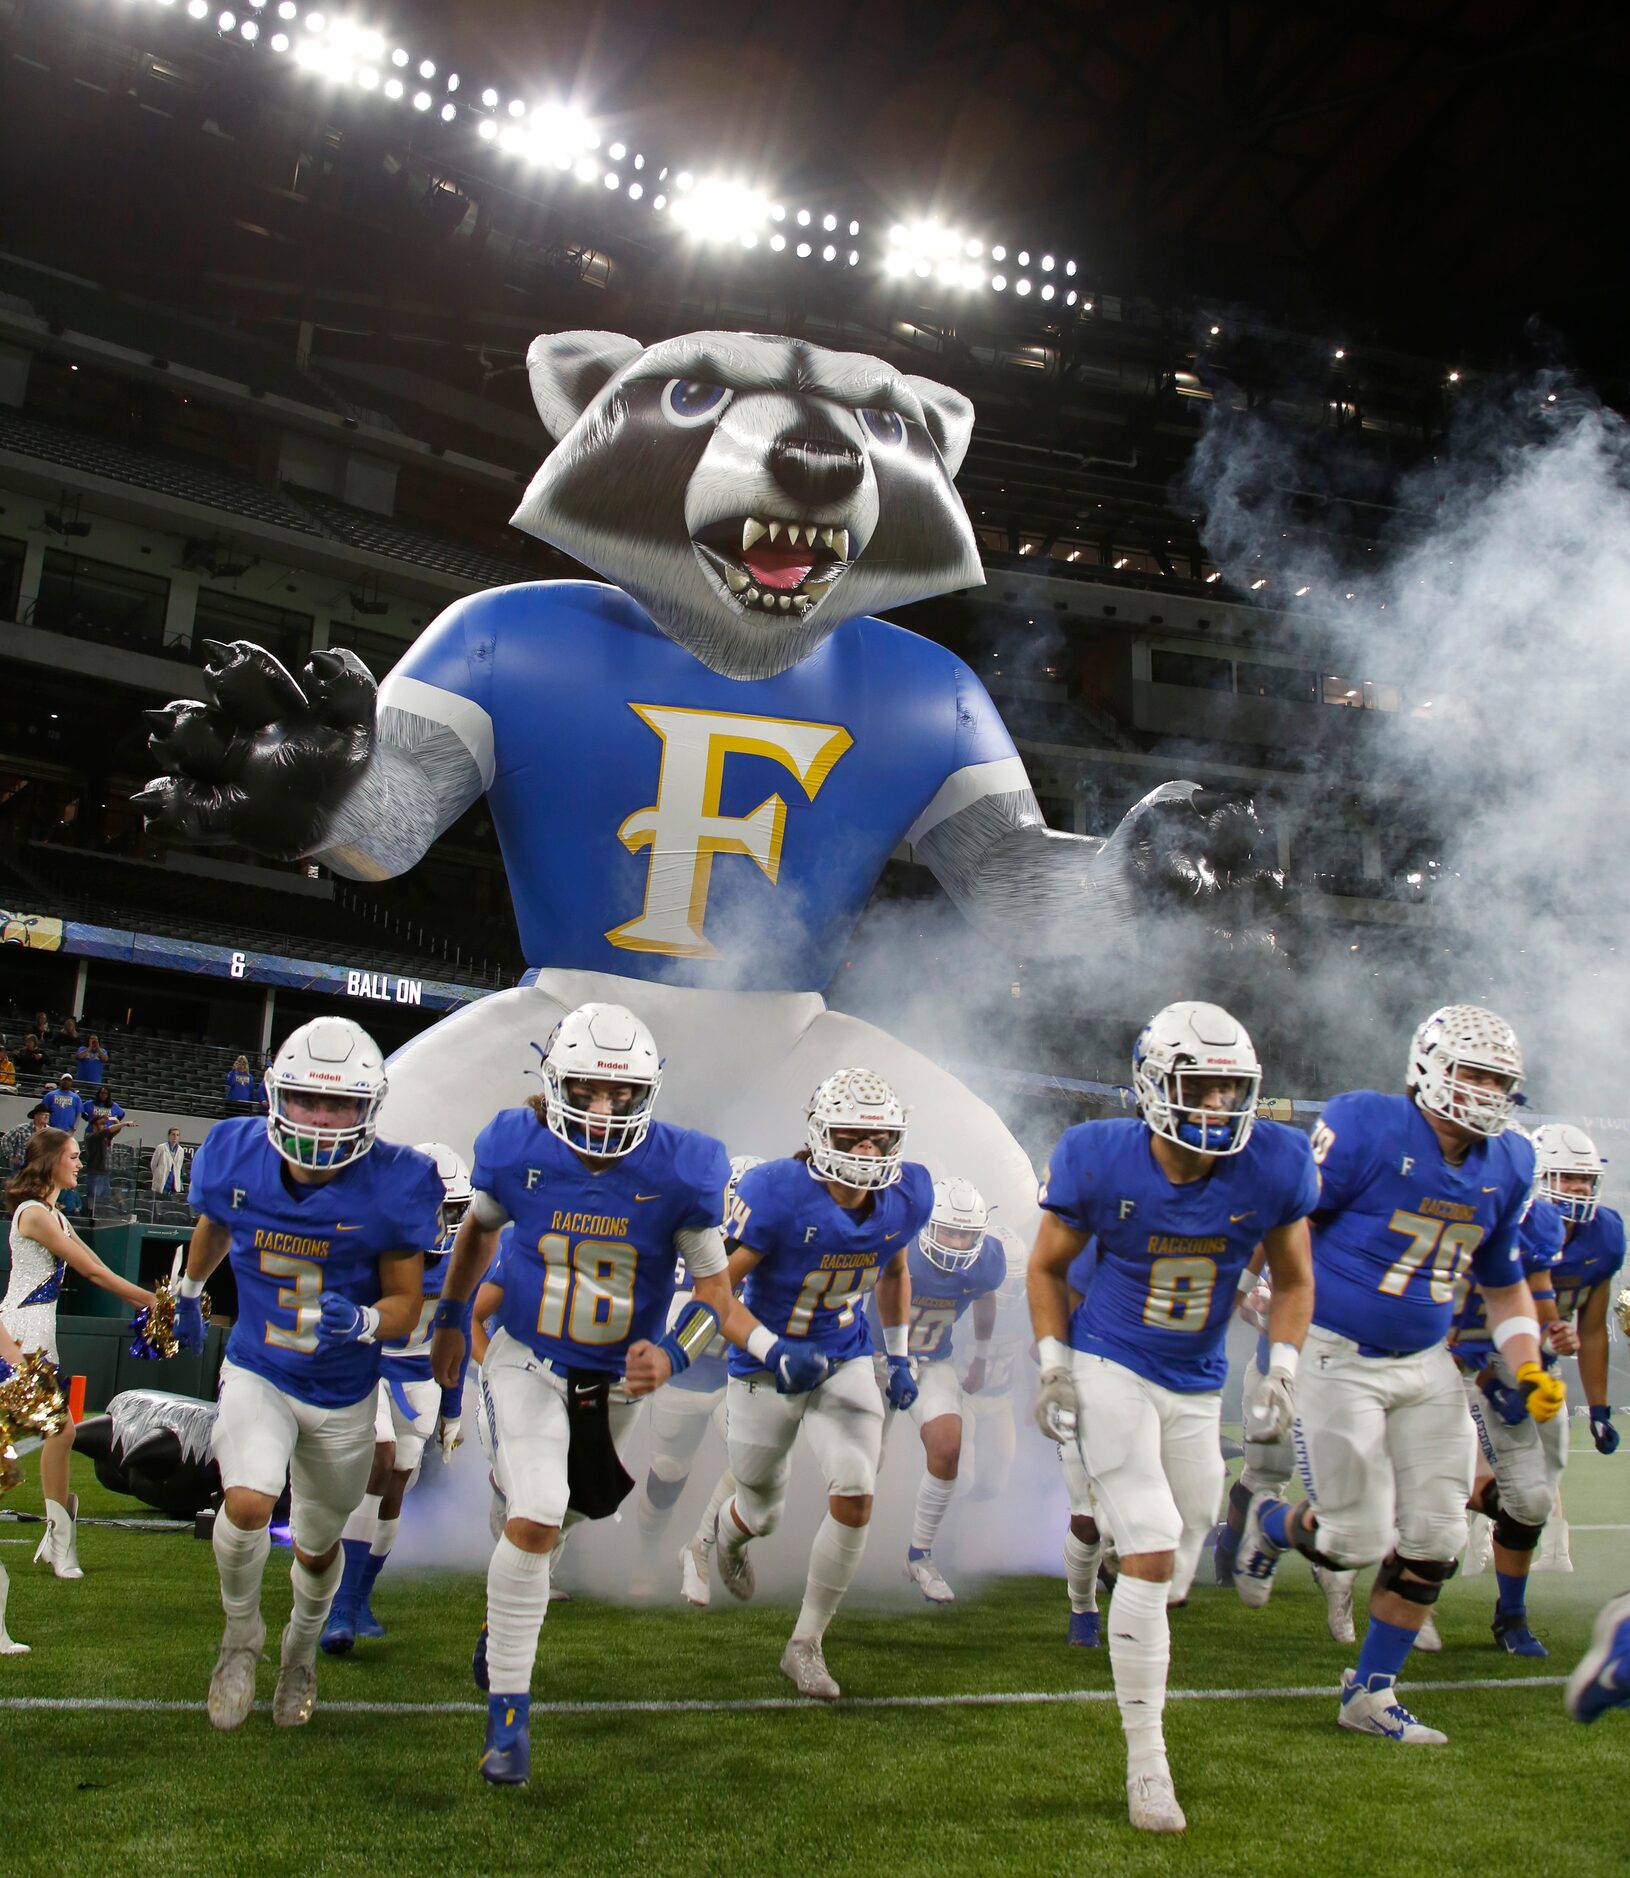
(455, 1180)
(331, 1056)
(603, 1043)
(1457, 1037)
(1181, 1044)
(858, 1103)
(955, 1233)
(1562, 1150)
(739, 1164)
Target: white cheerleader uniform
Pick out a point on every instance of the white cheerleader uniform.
(29, 1308)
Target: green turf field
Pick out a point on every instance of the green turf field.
(1269, 1783)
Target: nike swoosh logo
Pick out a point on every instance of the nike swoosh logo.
(1235, 1218)
(1491, 1189)
(890, 1237)
(638, 1197)
(348, 1229)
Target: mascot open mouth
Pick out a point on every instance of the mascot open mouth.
(770, 565)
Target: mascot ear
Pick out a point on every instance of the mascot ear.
(949, 417)
(568, 369)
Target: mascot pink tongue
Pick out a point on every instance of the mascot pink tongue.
(698, 772)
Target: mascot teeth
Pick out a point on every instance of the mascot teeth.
(781, 566)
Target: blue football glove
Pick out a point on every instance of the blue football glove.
(341, 1321)
(189, 1323)
(1511, 1405)
(796, 1367)
(902, 1385)
(1602, 1431)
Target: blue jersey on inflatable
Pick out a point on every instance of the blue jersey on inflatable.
(1170, 1256)
(1539, 1249)
(817, 1260)
(590, 1268)
(409, 1356)
(1591, 1254)
(667, 822)
(939, 1297)
(1398, 1227)
(292, 1245)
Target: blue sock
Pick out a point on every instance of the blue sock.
(1385, 1648)
(1513, 1600)
(915, 1552)
(356, 1564)
(1272, 1519)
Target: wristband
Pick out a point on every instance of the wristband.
(982, 1349)
(189, 1287)
(1248, 1281)
(370, 1323)
(1284, 1356)
(1515, 1327)
(761, 1340)
(450, 1314)
(895, 1338)
(1053, 1353)
(1600, 1412)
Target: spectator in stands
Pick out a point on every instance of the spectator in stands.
(169, 1167)
(8, 1069)
(14, 1143)
(30, 1059)
(91, 1063)
(104, 1119)
(241, 1085)
(40, 1029)
(69, 1035)
(65, 1103)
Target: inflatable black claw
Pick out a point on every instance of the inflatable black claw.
(155, 1448)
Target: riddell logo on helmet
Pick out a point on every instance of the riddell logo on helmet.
(599, 1064)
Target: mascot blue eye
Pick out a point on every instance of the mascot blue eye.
(692, 400)
(886, 426)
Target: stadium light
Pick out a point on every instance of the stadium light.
(717, 210)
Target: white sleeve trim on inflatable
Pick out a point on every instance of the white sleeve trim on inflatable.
(964, 787)
(464, 718)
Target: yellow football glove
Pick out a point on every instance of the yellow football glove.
(1544, 1393)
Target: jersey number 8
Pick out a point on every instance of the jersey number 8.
(1180, 1293)
(588, 1289)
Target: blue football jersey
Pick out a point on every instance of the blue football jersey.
(1591, 1254)
(1539, 1249)
(409, 1356)
(1398, 1227)
(939, 1298)
(817, 1260)
(291, 1245)
(590, 1268)
(1170, 1256)
(672, 823)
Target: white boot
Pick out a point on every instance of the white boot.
(9, 1646)
(59, 1548)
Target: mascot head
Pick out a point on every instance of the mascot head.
(751, 492)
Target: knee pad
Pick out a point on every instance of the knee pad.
(1515, 1534)
(760, 1513)
(1435, 1573)
(662, 1492)
(1488, 1501)
(1239, 1498)
(1083, 1529)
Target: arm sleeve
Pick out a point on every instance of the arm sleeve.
(488, 1212)
(702, 1249)
(1064, 1186)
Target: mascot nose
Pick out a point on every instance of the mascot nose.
(814, 472)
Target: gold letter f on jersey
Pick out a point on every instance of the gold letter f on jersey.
(683, 828)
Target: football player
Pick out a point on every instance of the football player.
(324, 1225)
(412, 1410)
(953, 1264)
(988, 1433)
(603, 1197)
(1177, 1199)
(810, 1236)
(1417, 1190)
(1083, 1538)
(1601, 1678)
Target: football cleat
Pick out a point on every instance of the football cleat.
(478, 1661)
(1602, 1678)
(1224, 1551)
(735, 1567)
(1374, 1709)
(1258, 1557)
(1427, 1638)
(1084, 1630)
(693, 1574)
(296, 1693)
(232, 1684)
(368, 1625)
(1511, 1634)
(929, 1580)
(1151, 1804)
(340, 1632)
(1338, 1602)
(506, 1757)
(805, 1668)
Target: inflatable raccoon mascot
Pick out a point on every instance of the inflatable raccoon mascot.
(698, 772)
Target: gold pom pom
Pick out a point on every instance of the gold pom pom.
(154, 1324)
(1621, 1310)
(30, 1401)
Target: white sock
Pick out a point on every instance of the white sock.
(833, 1561)
(933, 1497)
(1081, 1571)
(1140, 1651)
(722, 1505)
(240, 1558)
(364, 1522)
(517, 1603)
(313, 1596)
(385, 1531)
(651, 1518)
